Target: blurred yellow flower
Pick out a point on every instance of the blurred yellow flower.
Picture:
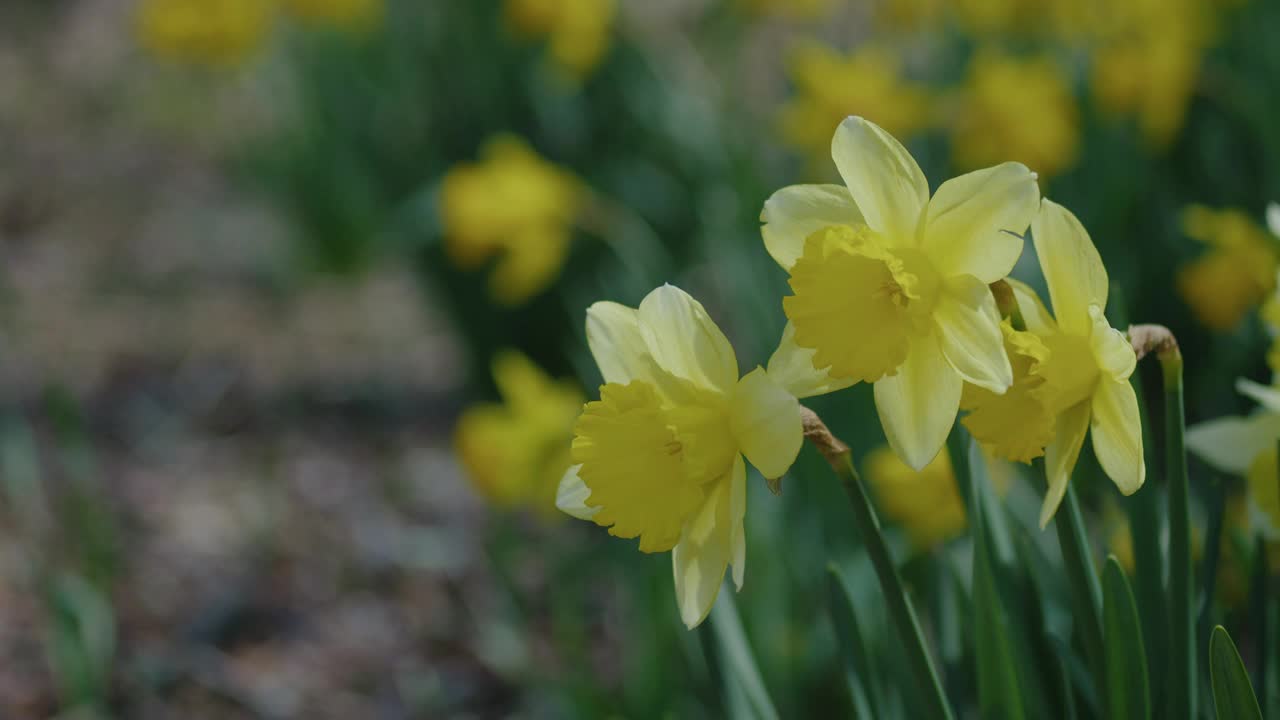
(516, 451)
(1237, 272)
(346, 14)
(577, 31)
(660, 455)
(514, 205)
(1019, 109)
(209, 32)
(1146, 61)
(830, 86)
(891, 285)
(927, 502)
(1082, 364)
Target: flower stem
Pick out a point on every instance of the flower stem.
(1182, 642)
(900, 607)
(1086, 589)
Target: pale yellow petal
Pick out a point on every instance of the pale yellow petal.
(613, 334)
(684, 341)
(791, 366)
(572, 494)
(794, 213)
(884, 180)
(1116, 429)
(968, 326)
(1032, 308)
(766, 423)
(1111, 349)
(1273, 218)
(1265, 395)
(1230, 444)
(974, 223)
(1071, 266)
(1060, 457)
(702, 555)
(918, 405)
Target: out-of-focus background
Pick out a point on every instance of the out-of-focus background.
(292, 303)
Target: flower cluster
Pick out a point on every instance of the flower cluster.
(891, 286)
(1021, 92)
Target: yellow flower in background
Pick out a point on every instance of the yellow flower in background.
(660, 455)
(1015, 108)
(209, 32)
(1237, 272)
(1146, 61)
(516, 206)
(1084, 374)
(926, 502)
(577, 31)
(516, 451)
(831, 86)
(1247, 447)
(347, 14)
(890, 286)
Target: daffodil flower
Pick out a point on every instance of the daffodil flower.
(1083, 366)
(890, 286)
(659, 456)
(1247, 447)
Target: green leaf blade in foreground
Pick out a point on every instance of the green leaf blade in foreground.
(1233, 697)
(738, 669)
(999, 691)
(1128, 695)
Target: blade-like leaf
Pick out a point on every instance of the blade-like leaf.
(1126, 656)
(738, 669)
(999, 694)
(1233, 697)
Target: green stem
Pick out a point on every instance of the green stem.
(1086, 589)
(900, 607)
(1183, 682)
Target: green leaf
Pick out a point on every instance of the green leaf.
(999, 693)
(860, 671)
(1233, 696)
(1182, 681)
(1126, 658)
(738, 670)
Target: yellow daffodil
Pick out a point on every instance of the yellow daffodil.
(1072, 371)
(514, 205)
(660, 455)
(346, 14)
(210, 32)
(1146, 61)
(927, 502)
(1013, 108)
(577, 31)
(890, 286)
(1247, 446)
(516, 452)
(1235, 275)
(831, 86)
